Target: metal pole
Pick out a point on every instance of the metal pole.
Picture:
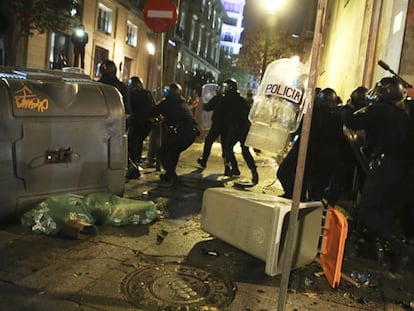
(159, 93)
(300, 167)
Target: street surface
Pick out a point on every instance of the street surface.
(187, 268)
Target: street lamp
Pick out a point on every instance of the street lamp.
(271, 6)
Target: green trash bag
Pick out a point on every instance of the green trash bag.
(50, 215)
(109, 209)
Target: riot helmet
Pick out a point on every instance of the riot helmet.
(107, 68)
(359, 97)
(328, 97)
(390, 89)
(174, 89)
(219, 90)
(135, 82)
(229, 86)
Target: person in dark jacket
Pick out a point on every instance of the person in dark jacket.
(330, 155)
(79, 39)
(327, 154)
(181, 130)
(107, 71)
(139, 123)
(234, 114)
(387, 130)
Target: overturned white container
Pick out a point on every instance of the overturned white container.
(257, 224)
(276, 111)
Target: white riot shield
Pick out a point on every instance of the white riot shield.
(278, 104)
(208, 91)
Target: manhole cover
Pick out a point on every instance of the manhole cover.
(171, 286)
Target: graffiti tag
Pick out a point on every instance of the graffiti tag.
(25, 99)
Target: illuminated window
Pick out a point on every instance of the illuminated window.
(101, 55)
(132, 34)
(104, 19)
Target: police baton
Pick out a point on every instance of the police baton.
(386, 67)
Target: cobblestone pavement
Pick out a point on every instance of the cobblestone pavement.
(111, 270)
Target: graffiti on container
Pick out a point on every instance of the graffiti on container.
(25, 99)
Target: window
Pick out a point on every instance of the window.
(213, 21)
(228, 37)
(212, 47)
(232, 7)
(104, 19)
(181, 25)
(192, 33)
(101, 54)
(59, 51)
(200, 40)
(126, 69)
(132, 34)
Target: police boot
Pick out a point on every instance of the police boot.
(235, 171)
(202, 162)
(255, 176)
(227, 169)
(133, 170)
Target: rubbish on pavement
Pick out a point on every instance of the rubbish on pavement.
(79, 229)
(361, 277)
(50, 215)
(161, 236)
(53, 214)
(205, 251)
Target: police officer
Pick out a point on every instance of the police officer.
(234, 111)
(326, 154)
(387, 129)
(181, 130)
(107, 71)
(329, 152)
(139, 123)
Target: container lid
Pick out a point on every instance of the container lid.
(334, 236)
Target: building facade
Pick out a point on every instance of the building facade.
(380, 31)
(232, 26)
(116, 31)
(188, 53)
(192, 47)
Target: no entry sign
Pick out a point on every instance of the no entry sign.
(160, 15)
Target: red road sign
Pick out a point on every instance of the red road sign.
(160, 15)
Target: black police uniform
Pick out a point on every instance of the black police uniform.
(111, 79)
(181, 132)
(387, 132)
(234, 113)
(327, 155)
(139, 121)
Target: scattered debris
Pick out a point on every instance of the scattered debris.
(205, 251)
(161, 236)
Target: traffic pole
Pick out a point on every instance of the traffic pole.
(300, 167)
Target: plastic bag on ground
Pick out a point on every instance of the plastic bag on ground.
(50, 216)
(110, 209)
